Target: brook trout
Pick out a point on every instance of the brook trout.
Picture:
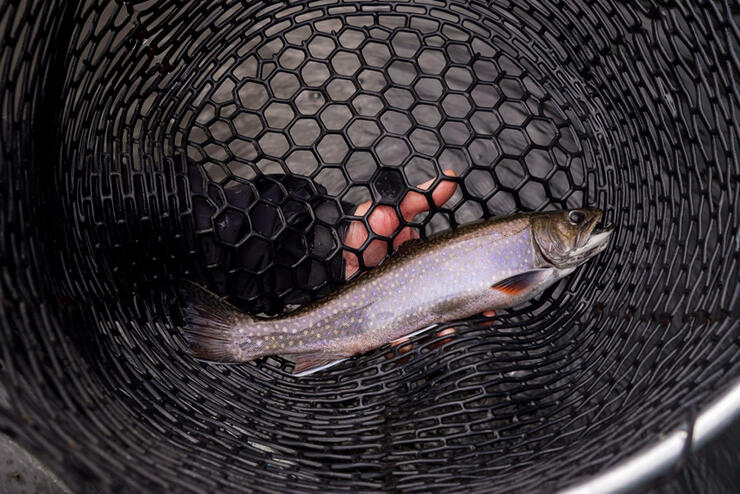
(488, 265)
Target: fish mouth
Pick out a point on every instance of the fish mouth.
(565, 242)
(598, 239)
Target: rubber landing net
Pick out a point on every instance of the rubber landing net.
(230, 143)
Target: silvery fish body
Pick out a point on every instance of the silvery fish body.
(489, 265)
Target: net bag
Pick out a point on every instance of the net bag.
(230, 143)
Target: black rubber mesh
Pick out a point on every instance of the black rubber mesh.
(110, 110)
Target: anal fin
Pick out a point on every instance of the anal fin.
(310, 363)
(519, 283)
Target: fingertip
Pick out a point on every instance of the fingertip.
(383, 220)
(363, 208)
(412, 204)
(444, 190)
(415, 203)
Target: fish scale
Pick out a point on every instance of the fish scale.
(489, 265)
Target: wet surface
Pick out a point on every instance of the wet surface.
(22, 473)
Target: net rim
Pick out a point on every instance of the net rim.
(649, 463)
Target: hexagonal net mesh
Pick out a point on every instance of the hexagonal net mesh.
(231, 143)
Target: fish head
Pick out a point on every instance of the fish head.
(567, 239)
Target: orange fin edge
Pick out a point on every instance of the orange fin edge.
(519, 283)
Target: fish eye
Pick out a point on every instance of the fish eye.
(576, 216)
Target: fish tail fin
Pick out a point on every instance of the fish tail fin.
(210, 324)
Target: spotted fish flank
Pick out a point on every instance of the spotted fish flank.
(488, 265)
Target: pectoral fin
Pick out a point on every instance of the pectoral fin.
(309, 363)
(520, 283)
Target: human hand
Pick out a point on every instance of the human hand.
(384, 221)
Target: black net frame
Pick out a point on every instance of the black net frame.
(132, 132)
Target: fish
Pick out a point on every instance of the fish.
(488, 265)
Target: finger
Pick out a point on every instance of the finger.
(405, 348)
(399, 341)
(414, 203)
(488, 313)
(375, 252)
(405, 235)
(363, 208)
(356, 235)
(383, 220)
(351, 264)
(445, 332)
